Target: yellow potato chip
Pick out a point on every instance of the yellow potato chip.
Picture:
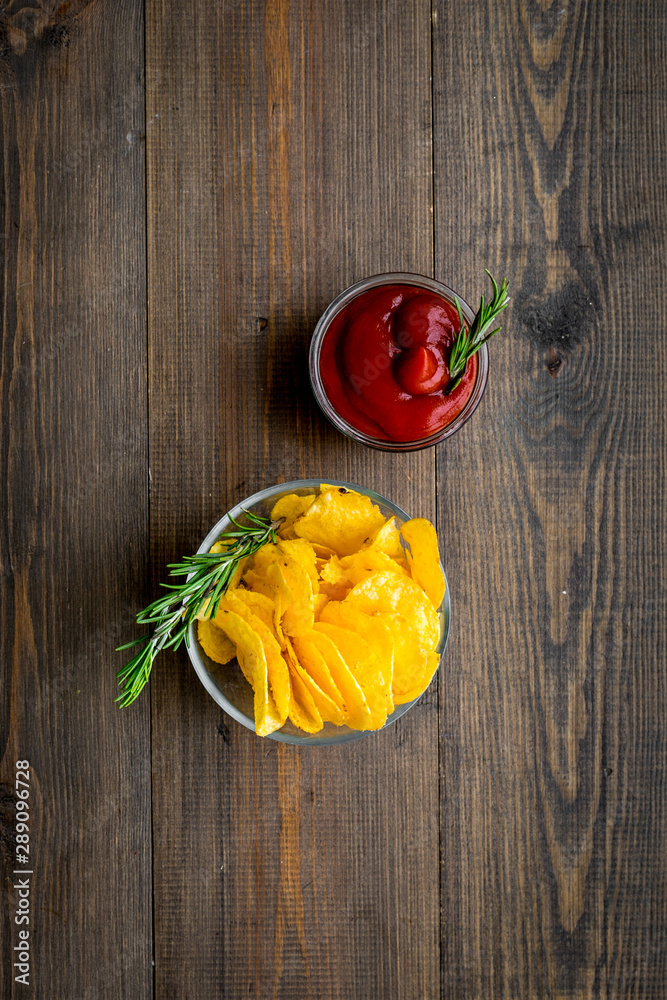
(259, 584)
(290, 507)
(385, 591)
(242, 563)
(334, 591)
(388, 540)
(316, 667)
(259, 604)
(297, 549)
(341, 519)
(252, 660)
(204, 613)
(362, 564)
(338, 576)
(329, 708)
(373, 630)
(359, 715)
(282, 573)
(413, 665)
(424, 558)
(363, 664)
(264, 558)
(320, 601)
(338, 621)
(302, 552)
(433, 661)
(287, 533)
(215, 642)
(333, 572)
(295, 595)
(323, 551)
(279, 681)
(303, 712)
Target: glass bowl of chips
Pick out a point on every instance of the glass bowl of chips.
(226, 683)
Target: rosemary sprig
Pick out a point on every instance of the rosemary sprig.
(469, 341)
(208, 576)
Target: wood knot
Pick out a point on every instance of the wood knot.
(39, 23)
(554, 362)
(562, 319)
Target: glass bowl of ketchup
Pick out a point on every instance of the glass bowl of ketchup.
(378, 362)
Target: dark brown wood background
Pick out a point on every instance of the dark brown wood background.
(183, 189)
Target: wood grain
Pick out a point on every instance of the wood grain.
(165, 250)
(291, 155)
(554, 698)
(73, 457)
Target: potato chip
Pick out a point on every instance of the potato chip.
(336, 622)
(334, 591)
(259, 584)
(294, 595)
(303, 712)
(252, 660)
(242, 563)
(385, 591)
(215, 642)
(332, 572)
(414, 666)
(290, 507)
(333, 580)
(298, 549)
(279, 681)
(338, 576)
(316, 667)
(359, 715)
(287, 532)
(322, 551)
(362, 564)
(259, 604)
(330, 709)
(320, 601)
(373, 630)
(341, 519)
(220, 546)
(364, 666)
(284, 573)
(424, 558)
(388, 540)
(432, 663)
(302, 552)
(264, 557)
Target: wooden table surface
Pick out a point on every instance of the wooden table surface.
(184, 188)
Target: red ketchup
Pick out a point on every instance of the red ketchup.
(383, 363)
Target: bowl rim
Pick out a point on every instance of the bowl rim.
(340, 302)
(194, 650)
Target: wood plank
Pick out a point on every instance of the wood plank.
(550, 141)
(73, 441)
(290, 155)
